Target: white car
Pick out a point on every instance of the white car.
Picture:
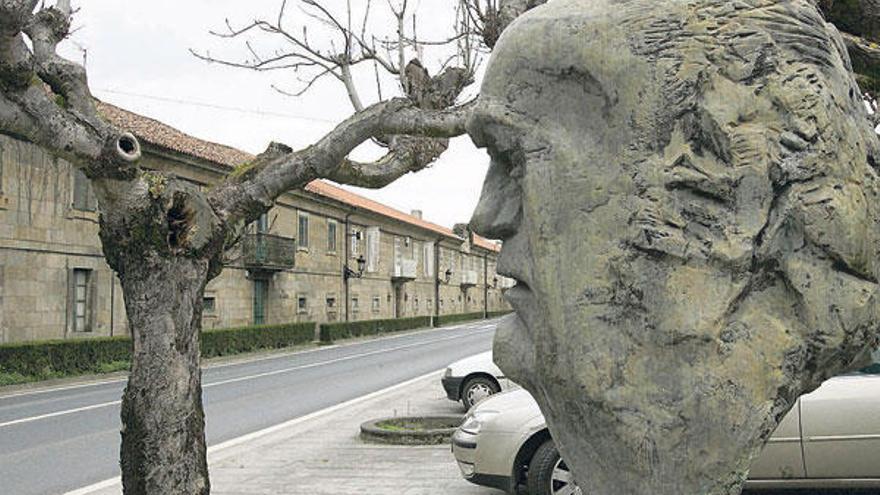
(473, 379)
(829, 439)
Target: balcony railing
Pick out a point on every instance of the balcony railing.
(268, 252)
(469, 278)
(404, 270)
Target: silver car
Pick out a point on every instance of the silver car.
(830, 439)
(473, 379)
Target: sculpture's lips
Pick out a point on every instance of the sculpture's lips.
(518, 294)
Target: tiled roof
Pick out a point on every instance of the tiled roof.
(165, 136)
(154, 132)
(331, 191)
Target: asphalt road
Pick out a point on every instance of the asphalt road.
(56, 440)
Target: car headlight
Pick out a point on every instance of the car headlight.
(447, 373)
(475, 421)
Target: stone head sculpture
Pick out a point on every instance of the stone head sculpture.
(687, 191)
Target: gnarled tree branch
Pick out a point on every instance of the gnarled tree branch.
(46, 99)
(281, 169)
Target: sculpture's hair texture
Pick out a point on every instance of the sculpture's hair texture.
(767, 160)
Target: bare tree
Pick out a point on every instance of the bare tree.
(337, 42)
(165, 239)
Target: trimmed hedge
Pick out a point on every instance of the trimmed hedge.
(73, 357)
(447, 319)
(228, 341)
(345, 330)
(48, 359)
(495, 314)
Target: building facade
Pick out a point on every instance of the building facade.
(322, 254)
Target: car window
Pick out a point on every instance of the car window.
(874, 368)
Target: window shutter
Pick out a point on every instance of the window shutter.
(429, 259)
(373, 249)
(91, 301)
(71, 300)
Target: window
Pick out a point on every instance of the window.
(302, 305)
(355, 304)
(303, 231)
(376, 304)
(874, 368)
(373, 243)
(429, 304)
(209, 305)
(82, 304)
(331, 302)
(355, 242)
(331, 236)
(261, 297)
(428, 266)
(416, 304)
(416, 253)
(83, 196)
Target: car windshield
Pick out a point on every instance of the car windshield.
(874, 367)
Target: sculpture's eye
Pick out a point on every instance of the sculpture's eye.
(512, 159)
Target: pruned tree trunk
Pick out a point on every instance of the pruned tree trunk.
(163, 435)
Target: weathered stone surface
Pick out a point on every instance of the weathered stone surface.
(688, 195)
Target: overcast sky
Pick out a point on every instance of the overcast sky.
(138, 59)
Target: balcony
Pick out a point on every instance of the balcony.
(469, 278)
(265, 252)
(404, 271)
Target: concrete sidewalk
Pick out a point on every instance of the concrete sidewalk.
(322, 454)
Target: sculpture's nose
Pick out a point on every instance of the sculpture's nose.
(498, 213)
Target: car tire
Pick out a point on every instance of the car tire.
(548, 474)
(476, 389)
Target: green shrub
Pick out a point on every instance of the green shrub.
(67, 357)
(495, 314)
(345, 330)
(32, 361)
(443, 320)
(228, 341)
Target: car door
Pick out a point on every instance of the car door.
(841, 426)
(782, 457)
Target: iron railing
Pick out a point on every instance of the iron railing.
(268, 252)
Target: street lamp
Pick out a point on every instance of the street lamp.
(448, 275)
(348, 273)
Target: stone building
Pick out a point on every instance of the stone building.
(321, 254)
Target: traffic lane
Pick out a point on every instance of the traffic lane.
(38, 403)
(60, 454)
(276, 399)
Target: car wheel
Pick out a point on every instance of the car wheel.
(548, 474)
(476, 389)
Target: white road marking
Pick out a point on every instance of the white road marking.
(214, 449)
(238, 379)
(238, 363)
(59, 413)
